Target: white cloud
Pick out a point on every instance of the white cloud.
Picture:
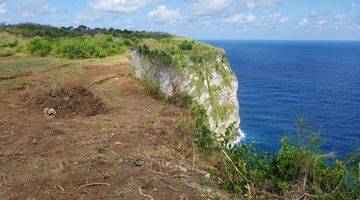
(321, 22)
(266, 19)
(86, 17)
(262, 3)
(164, 15)
(241, 18)
(209, 7)
(340, 16)
(304, 22)
(275, 17)
(354, 6)
(3, 8)
(119, 5)
(29, 9)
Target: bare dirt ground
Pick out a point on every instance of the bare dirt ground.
(133, 150)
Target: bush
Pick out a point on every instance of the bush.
(90, 47)
(78, 48)
(186, 46)
(7, 51)
(156, 57)
(7, 40)
(9, 44)
(39, 47)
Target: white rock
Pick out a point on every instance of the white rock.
(52, 111)
(207, 176)
(46, 110)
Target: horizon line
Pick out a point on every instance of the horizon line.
(300, 40)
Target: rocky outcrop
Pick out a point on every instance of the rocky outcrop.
(210, 82)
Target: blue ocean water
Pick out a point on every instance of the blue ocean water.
(279, 80)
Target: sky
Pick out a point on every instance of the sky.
(199, 19)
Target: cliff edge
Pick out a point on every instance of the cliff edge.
(179, 66)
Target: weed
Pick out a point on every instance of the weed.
(153, 89)
(202, 181)
(181, 99)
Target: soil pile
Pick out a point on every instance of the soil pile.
(67, 102)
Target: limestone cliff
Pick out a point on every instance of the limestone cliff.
(202, 73)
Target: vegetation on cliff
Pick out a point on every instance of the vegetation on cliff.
(299, 170)
(204, 66)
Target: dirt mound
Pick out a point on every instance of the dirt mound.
(67, 102)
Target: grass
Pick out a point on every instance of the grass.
(12, 66)
(60, 69)
(14, 83)
(11, 44)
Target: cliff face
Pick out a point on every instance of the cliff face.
(208, 79)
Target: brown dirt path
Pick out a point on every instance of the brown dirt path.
(127, 153)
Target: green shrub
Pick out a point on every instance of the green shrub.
(156, 57)
(90, 47)
(10, 44)
(8, 41)
(7, 51)
(186, 46)
(39, 47)
(78, 48)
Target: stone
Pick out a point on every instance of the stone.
(52, 111)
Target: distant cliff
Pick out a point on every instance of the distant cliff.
(196, 69)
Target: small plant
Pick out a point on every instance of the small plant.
(153, 89)
(181, 99)
(186, 46)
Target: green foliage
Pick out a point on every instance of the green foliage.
(75, 43)
(6, 51)
(298, 168)
(37, 30)
(221, 112)
(39, 47)
(78, 47)
(186, 46)
(156, 57)
(206, 140)
(153, 89)
(8, 40)
(10, 44)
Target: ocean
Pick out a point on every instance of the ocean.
(282, 80)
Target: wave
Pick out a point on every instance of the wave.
(239, 138)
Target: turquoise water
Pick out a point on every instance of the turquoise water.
(279, 80)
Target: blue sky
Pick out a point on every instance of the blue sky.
(200, 19)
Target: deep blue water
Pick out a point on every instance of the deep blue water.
(279, 80)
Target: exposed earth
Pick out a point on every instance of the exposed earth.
(108, 139)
